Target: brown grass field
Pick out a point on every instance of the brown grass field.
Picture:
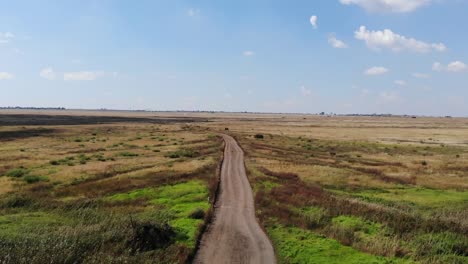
(112, 187)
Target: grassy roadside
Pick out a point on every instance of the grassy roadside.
(379, 219)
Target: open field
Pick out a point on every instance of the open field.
(138, 186)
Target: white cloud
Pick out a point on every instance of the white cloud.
(48, 73)
(387, 39)
(336, 43)
(398, 6)
(400, 82)
(313, 21)
(421, 75)
(193, 12)
(305, 91)
(456, 66)
(248, 53)
(5, 37)
(82, 76)
(6, 76)
(376, 71)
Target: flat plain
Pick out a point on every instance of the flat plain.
(112, 187)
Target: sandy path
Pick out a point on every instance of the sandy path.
(235, 236)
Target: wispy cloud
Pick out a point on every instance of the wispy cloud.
(387, 39)
(48, 73)
(336, 43)
(193, 12)
(82, 75)
(400, 82)
(456, 66)
(398, 6)
(378, 70)
(6, 76)
(421, 75)
(6, 37)
(305, 91)
(248, 53)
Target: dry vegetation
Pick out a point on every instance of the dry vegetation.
(133, 187)
(405, 200)
(104, 190)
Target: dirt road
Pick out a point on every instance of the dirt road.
(235, 236)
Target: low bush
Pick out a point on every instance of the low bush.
(197, 214)
(33, 179)
(17, 173)
(258, 136)
(148, 236)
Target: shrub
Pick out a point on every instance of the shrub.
(128, 154)
(17, 173)
(187, 153)
(33, 179)
(16, 201)
(197, 214)
(258, 136)
(424, 163)
(148, 236)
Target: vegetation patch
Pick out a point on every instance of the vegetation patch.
(180, 200)
(295, 245)
(432, 198)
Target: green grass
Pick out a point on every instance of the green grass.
(295, 245)
(180, 200)
(356, 224)
(419, 196)
(17, 173)
(26, 223)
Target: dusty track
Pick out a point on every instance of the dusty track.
(235, 236)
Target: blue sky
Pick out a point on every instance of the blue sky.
(355, 56)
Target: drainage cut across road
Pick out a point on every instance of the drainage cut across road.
(235, 235)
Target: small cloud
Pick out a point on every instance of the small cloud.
(421, 75)
(6, 76)
(376, 71)
(387, 39)
(336, 43)
(48, 73)
(193, 12)
(82, 76)
(6, 37)
(227, 95)
(436, 66)
(305, 91)
(456, 66)
(313, 21)
(249, 92)
(248, 53)
(400, 82)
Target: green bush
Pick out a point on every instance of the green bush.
(33, 179)
(128, 154)
(17, 173)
